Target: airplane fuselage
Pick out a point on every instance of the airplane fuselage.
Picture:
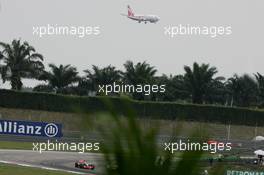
(141, 18)
(145, 18)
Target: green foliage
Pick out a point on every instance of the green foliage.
(20, 61)
(104, 76)
(59, 79)
(175, 89)
(198, 84)
(260, 84)
(155, 110)
(199, 79)
(139, 74)
(243, 90)
(128, 150)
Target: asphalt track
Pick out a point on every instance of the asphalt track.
(61, 161)
(64, 161)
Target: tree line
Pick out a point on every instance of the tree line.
(198, 84)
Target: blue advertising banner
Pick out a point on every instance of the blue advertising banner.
(28, 128)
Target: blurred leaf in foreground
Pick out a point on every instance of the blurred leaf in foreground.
(130, 150)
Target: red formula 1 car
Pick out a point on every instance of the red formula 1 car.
(84, 165)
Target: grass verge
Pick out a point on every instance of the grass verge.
(16, 145)
(13, 169)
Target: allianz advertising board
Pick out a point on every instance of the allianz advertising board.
(29, 128)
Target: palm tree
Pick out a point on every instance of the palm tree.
(20, 61)
(198, 80)
(260, 82)
(174, 88)
(138, 74)
(1, 57)
(101, 76)
(59, 79)
(216, 92)
(243, 90)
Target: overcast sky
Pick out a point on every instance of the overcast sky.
(122, 39)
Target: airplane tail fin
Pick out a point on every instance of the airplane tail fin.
(130, 11)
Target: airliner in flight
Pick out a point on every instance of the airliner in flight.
(141, 18)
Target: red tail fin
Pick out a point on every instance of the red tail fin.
(130, 11)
